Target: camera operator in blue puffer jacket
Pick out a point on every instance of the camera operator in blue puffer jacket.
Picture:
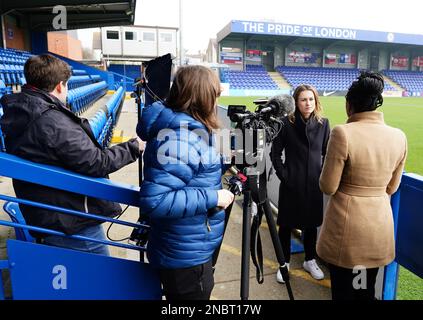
(182, 182)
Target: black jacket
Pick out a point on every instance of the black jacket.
(39, 128)
(300, 199)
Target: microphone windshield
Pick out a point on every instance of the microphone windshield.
(282, 105)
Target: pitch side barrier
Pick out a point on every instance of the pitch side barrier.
(45, 272)
(407, 207)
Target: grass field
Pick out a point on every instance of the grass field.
(403, 113)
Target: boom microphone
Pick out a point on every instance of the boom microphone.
(280, 105)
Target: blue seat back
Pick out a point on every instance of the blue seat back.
(15, 214)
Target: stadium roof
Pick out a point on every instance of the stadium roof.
(289, 33)
(38, 15)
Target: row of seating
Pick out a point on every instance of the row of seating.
(411, 81)
(254, 77)
(101, 127)
(12, 65)
(78, 72)
(80, 81)
(323, 78)
(105, 119)
(11, 74)
(80, 99)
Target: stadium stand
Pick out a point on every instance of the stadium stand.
(104, 121)
(81, 98)
(411, 81)
(84, 90)
(11, 65)
(322, 78)
(255, 77)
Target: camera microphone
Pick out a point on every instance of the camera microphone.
(280, 105)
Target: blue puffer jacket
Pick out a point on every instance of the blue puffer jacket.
(182, 172)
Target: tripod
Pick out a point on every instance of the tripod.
(253, 187)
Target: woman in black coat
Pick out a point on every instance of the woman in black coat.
(304, 139)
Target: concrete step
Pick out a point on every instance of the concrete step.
(393, 83)
(279, 80)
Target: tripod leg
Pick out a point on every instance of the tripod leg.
(277, 245)
(246, 235)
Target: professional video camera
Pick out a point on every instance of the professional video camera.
(253, 130)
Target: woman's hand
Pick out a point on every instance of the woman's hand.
(224, 198)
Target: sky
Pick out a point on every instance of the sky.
(203, 19)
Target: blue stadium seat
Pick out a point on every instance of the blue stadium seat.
(102, 124)
(254, 77)
(12, 209)
(411, 81)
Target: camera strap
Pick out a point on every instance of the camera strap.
(255, 246)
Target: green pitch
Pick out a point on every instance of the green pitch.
(403, 113)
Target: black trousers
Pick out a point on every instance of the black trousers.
(194, 283)
(346, 285)
(310, 238)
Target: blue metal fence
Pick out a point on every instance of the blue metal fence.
(407, 204)
(39, 271)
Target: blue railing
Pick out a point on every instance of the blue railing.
(407, 204)
(131, 280)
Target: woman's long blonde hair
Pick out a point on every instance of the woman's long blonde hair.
(318, 110)
(195, 90)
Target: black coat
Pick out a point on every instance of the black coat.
(300, 199)
(39, 128)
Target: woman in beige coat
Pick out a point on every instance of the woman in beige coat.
(363, 167)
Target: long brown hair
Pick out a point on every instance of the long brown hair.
(195, 90)
(318, 110)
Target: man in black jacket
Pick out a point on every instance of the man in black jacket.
(39, 127)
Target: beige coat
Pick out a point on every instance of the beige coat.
(363, 166)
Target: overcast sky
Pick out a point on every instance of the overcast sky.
(203, 19)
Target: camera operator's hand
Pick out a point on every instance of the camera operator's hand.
(224, 198)
(141, 144)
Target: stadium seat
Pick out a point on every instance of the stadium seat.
(255, 77)
(412, 81)
(103, 122)
(12, 209)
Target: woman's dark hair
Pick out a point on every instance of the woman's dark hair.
(365, 93)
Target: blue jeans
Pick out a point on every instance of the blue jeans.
(95, 232)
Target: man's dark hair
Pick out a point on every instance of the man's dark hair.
(365, 93)
(46, 71)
